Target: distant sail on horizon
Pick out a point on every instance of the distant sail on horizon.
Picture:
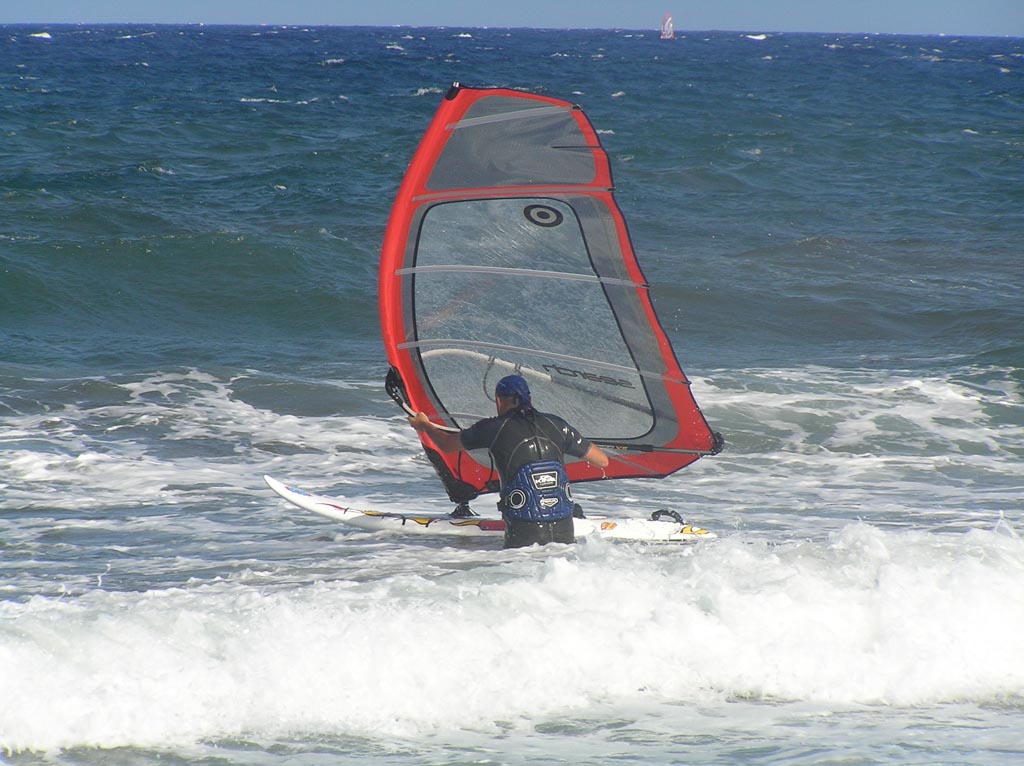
(668, 28)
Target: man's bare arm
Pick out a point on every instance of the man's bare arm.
(446, 441)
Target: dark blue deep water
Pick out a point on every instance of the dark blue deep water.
(190, 220)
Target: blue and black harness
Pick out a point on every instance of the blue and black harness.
(538, 492)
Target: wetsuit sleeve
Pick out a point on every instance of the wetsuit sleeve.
(576, 444)
(479, 435)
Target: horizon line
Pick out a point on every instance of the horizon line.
(646, 30)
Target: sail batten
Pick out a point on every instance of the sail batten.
(439, 347)
(506, 251)
(538, 190)
(523, 273)
(505, 116)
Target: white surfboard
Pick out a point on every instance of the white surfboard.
(646, 530)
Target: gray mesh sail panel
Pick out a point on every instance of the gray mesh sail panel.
(509, 142)
(503, 285)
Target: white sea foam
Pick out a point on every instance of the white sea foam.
(832, 445)
(862, 559)
(97, 454)
(871, 617)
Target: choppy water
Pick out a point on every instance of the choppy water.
(189, 227)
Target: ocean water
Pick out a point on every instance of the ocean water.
(190, 220)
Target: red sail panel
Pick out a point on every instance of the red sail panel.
(506, 252)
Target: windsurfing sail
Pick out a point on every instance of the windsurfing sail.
(506, 252)
(668, 27)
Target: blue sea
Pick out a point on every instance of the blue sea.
(190, 222)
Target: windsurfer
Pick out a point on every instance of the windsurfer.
(528, 448)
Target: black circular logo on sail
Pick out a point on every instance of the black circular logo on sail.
(542, 215)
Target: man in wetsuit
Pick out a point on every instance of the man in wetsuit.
(528, 448)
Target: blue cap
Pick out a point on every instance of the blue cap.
(513, 385)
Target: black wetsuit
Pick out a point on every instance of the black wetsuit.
(520, 437)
